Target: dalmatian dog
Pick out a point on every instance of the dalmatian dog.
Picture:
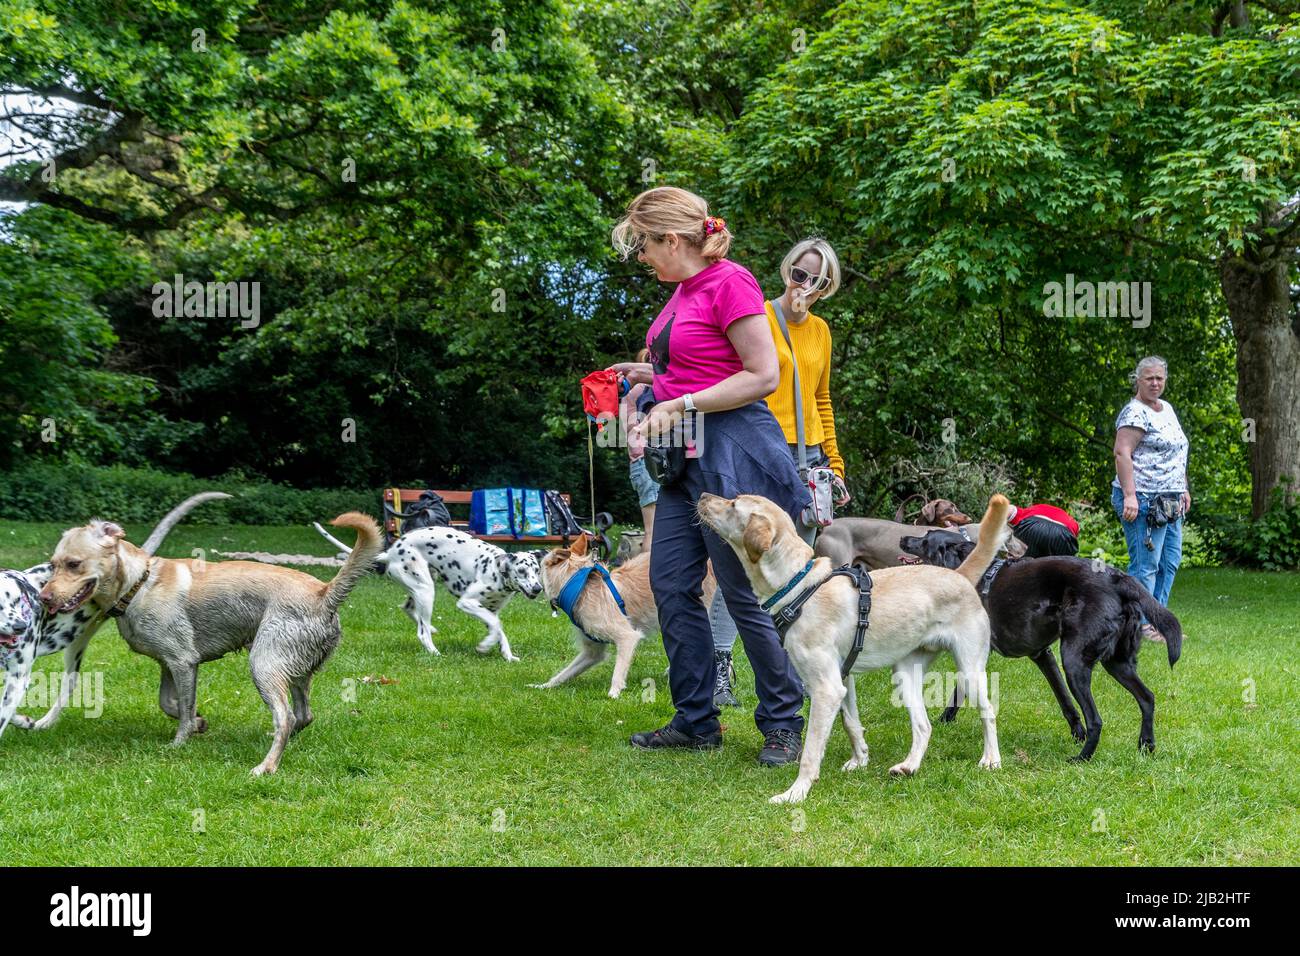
(482, 576)
(29, 630)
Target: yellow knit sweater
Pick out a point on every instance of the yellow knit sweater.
(812, 345)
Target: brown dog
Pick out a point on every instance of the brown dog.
(596, 613)
(185, 612)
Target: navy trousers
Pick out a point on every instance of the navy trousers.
(682, 545)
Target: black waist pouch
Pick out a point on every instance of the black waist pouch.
(665, 463)
(1164, 509)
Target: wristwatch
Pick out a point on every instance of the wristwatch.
(688, 402)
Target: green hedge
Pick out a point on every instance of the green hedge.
(74, 493)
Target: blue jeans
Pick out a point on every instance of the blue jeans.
(1153, 569)
(646, 488)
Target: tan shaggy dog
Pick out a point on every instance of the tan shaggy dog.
(183, 613)
(915, 614)
(598, 615)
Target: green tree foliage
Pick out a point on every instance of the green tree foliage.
(423, 192)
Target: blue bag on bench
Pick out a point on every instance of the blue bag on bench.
(528, 512)
(490, 512)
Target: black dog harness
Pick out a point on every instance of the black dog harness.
(986, 582)
(790, 613)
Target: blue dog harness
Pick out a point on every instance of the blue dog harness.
(568, 597)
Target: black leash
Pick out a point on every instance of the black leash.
(790, 613)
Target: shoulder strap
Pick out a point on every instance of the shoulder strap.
(798, 393)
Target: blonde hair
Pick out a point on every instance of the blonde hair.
(830, 268)
(1149, 362)
(664, 209)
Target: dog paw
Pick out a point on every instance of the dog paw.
(991, 763)
(541, 686)
(200, 724)
(948, 716)
(901, 770)
(261, 769)
(794, 795)
(1080, 758)
(1079, 733)
(513, 658)
(1147, 746)
(854, 763)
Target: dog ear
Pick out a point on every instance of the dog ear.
(560, 554)
(758, 537)
(109, 530)
(579, 547)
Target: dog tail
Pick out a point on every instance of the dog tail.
(993, 533)
(369, 544)
(1157, 615)
(173, 518)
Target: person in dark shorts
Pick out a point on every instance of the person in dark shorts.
(1046, 531)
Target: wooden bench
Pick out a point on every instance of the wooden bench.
(399, 499)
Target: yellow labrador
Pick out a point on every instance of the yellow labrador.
(915, 614)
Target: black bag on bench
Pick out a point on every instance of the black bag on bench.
(430, 511)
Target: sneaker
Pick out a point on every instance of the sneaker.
(780, 747)
(724, 681)
(669, 736)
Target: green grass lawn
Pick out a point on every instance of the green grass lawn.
(459, 762)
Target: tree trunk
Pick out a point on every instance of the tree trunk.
(1268, 373)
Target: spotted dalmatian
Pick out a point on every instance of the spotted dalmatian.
(482, 576)
(29, 631)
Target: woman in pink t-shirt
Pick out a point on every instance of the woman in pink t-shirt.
(711, 356)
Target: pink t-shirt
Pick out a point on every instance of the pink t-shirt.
(688, 342)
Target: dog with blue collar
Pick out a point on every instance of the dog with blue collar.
(608, 608)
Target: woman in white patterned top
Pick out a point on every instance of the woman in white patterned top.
(1150, 491)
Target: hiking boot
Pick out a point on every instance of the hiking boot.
(724, 681)
(668, 736)
(780, 747)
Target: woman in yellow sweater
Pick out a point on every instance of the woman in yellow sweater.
(811, 271)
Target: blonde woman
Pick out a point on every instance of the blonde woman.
(810, 271)
(711, 352)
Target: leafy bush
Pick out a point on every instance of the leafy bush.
(938, 472)
(1271, 543)
(76, 492)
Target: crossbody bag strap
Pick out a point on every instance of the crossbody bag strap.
(798, 393)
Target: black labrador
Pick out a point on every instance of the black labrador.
(1095, 611)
